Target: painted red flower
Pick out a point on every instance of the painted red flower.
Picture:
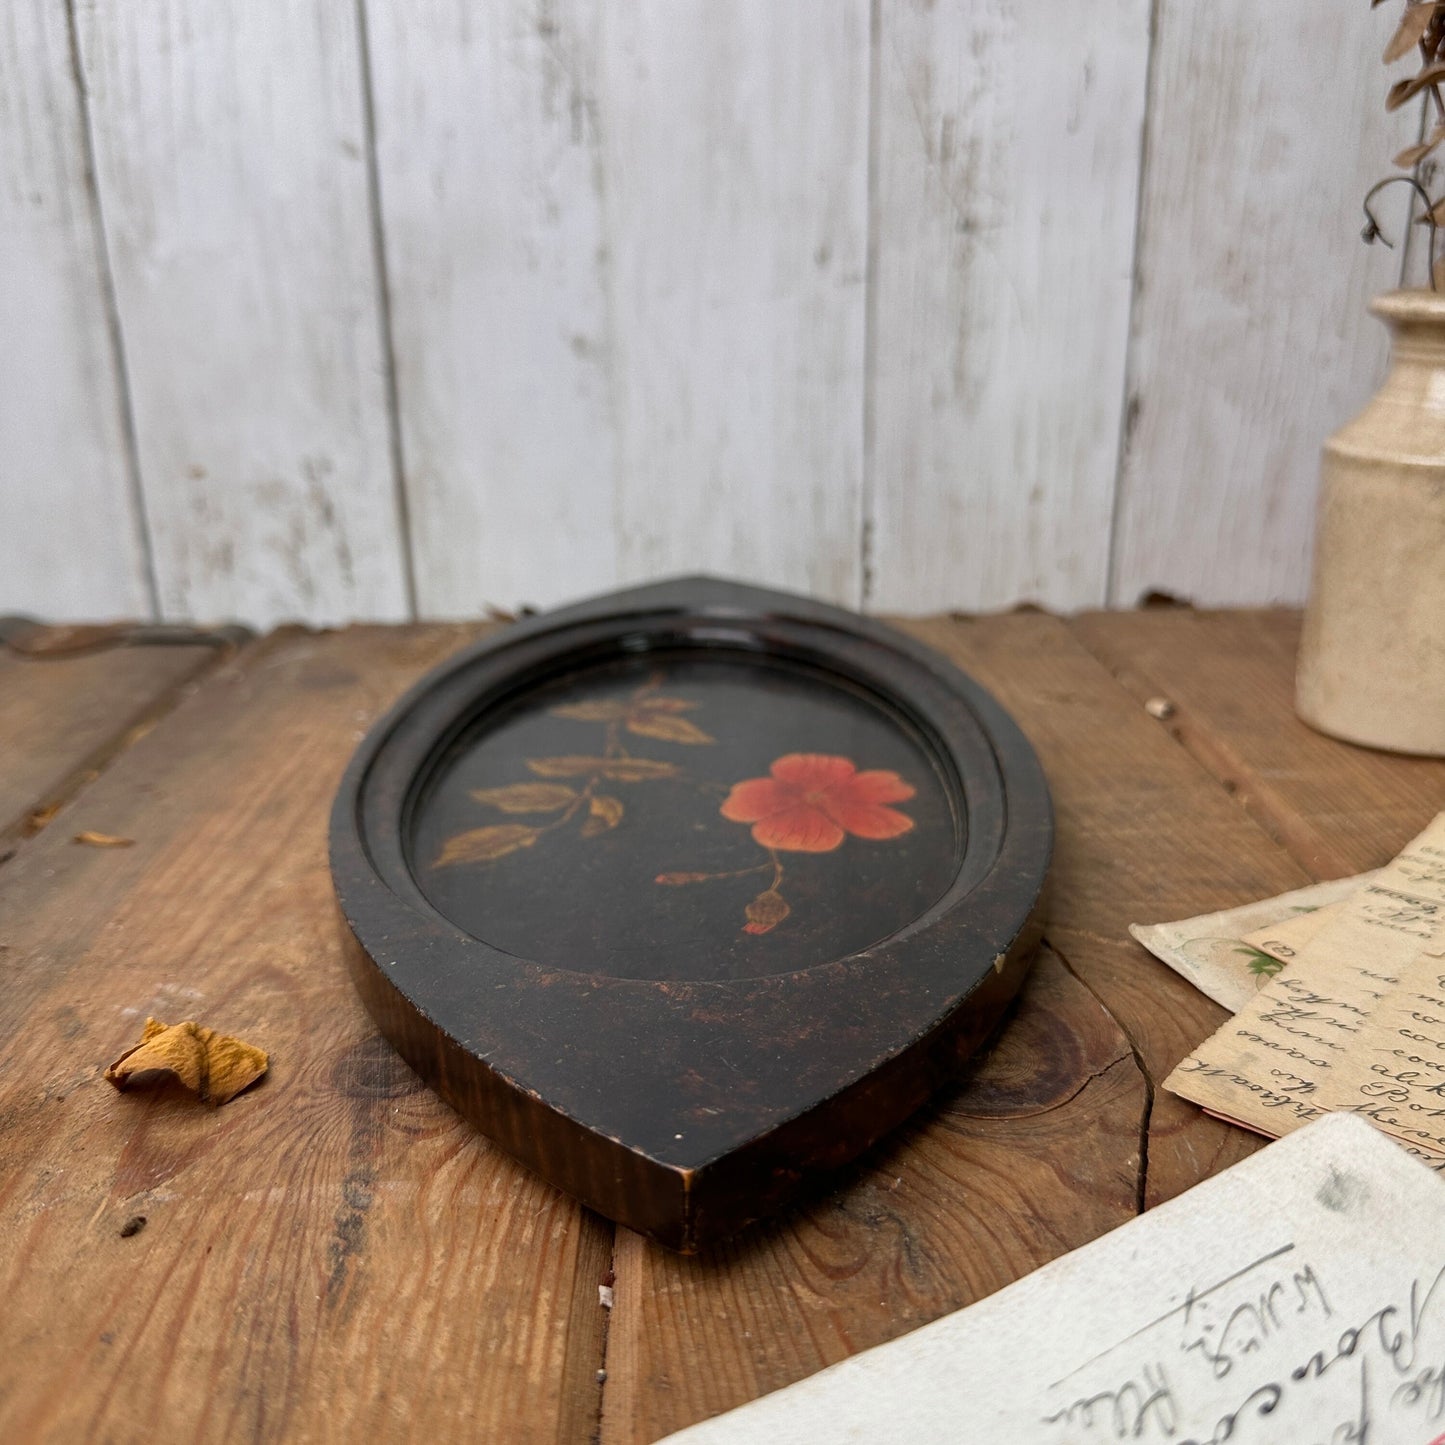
(812, 801)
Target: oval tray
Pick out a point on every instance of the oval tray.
(689, 892)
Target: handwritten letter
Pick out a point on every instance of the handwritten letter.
(1298, 1297)
(1217, 952)
(1287, 1057)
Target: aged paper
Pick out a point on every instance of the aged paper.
(1395, 1077)
(1278, 1063)
(1285, 940)
(1216, 952)
(1279, 1303)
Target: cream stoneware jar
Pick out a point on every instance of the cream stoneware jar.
(1372, 658)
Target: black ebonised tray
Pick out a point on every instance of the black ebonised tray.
(689, 892)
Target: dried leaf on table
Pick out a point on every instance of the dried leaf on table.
(38, 818)
(214, 1067)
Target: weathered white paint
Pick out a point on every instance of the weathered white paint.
(735, 177)
(840, 295)
(626, 251)
(1251, 341)
(231, 165)
(70, 537)
(1006, 183)
(490, 183)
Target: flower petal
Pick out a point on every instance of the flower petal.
(756, 798)
(880, 785)
(812, 771)
(800, 829)
(871, 820)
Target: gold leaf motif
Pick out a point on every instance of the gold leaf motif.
(527, 797)
(667, 727)
(766, 911)
(606, 813)
(482, 845)
(666, 704)
(619, 770)
(591, 711)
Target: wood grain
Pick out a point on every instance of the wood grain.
(1034, 1154)
(735, 162)
(999, 322)
(1144, 833)
(333, 1255)
(63, 718)
(71, 535)
(1339, 809)
(230, 153)
(1250, 339)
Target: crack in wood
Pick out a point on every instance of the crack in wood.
(1147, 1113)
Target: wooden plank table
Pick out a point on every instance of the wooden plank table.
(335, 1255)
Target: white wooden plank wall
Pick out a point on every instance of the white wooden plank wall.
(489, 179)
(735, 165)
(1251, 341)
(382, 307)
(71, 541)
(231, 159)
(1008, 170)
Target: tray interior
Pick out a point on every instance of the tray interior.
(691, 814)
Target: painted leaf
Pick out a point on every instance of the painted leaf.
(605, 813)
(666, 726)
(619, 770)
(676, 880)
(482, 845)
(591, 711)
(527, 797)
(766, 911)
(1262, 965)
(667, 704)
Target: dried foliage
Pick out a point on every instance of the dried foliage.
(1422, 31)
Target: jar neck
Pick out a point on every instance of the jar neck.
(1416, 320)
